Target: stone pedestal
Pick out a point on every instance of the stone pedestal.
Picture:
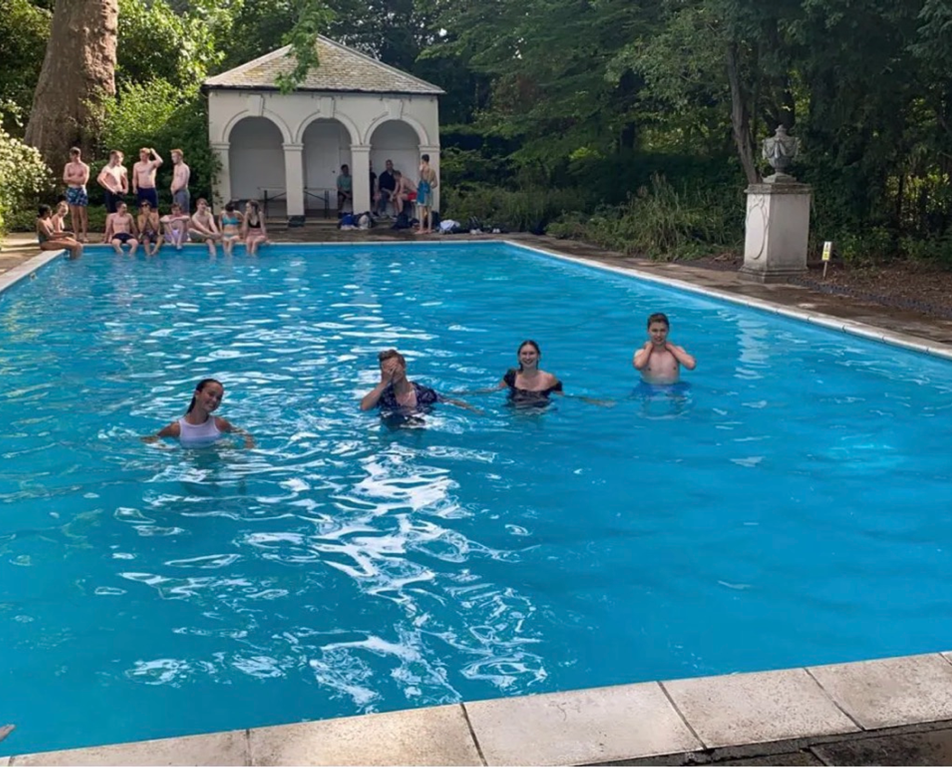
(778, 228)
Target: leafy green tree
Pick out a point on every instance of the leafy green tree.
(24, 29)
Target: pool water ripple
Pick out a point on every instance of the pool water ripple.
(790, 506)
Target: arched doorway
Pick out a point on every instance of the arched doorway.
(326, 148)
(256, 163)
(395, 140)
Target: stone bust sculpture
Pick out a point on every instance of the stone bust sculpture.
(779, 151)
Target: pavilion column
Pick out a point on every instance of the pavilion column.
(294, 178)
(434, 152)
(221, 188)
(360, 159)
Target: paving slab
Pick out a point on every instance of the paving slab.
(891, 692)
(220, 748)
(583, 726)
(425, 736)
(757, 708)
(917, 748)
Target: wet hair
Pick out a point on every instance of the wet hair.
(533, 344)
(659, 317)
(61, 198)
(75, 151)
(200, 387)
(230, 206)
(42, 211)
(392, 354)
(425, 158)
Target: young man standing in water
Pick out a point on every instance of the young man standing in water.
(659, 360)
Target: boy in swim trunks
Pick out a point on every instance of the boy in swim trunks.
(143, 176)
(659, 360)
(176, 227)
(76, 176)
(121, 229)
(181, 174)
(114, 180)
(202, 226)
(149, 229)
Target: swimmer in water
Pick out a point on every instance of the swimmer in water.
(198, 427)
(659, 360)
(396, 394)
(529, 385)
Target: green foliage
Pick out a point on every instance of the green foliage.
(24, 29)
(661, 223)
(161, 115)
(512, 209)
(23, 178)
(155, 42)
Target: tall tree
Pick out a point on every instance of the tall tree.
(78, 74)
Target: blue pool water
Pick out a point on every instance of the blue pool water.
(791, 506)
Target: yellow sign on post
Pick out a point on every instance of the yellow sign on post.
(827, 254)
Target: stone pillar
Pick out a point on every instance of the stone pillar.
(360, 170)
(221, 188)
(294, 178)
(434, 152)
(778, 228)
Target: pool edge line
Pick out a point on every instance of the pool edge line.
(704, 718)
(850, 327)
(29, 267)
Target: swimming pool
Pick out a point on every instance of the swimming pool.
(791, 507)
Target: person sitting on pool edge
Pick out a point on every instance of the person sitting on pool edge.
(198, 427)
(659, 360)
(397, 394)
(51, 240)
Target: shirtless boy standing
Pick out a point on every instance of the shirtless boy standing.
(659, 360)
(143, 177)
(181, 174)
(114, 180)
(76, 176)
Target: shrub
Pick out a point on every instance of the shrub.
(159, 114)
(523, 209)
(24, 177)
(662, 222)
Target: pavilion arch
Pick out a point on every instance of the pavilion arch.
(279, 123)
(422, 138)
(341, 118)
(256, 159)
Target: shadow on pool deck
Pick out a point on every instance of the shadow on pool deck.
(927, 744)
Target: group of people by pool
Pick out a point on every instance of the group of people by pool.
(659, 361)
(148, 228)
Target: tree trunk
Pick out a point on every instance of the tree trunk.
(740, 118)
(78, 74)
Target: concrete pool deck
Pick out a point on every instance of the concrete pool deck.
(892, 711)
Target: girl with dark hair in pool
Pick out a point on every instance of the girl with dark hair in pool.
(198, 427)
(529, 385)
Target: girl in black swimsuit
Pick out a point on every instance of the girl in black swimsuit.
(528, 385)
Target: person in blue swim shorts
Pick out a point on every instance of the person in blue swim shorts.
(424, 200)
(76, 176)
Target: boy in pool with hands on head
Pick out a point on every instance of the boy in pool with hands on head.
(659, 360)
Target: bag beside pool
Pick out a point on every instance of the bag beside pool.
(402, 221)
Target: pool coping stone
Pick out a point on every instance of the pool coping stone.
(12, 276)
(703, 719)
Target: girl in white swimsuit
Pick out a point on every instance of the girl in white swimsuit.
(198, 427)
